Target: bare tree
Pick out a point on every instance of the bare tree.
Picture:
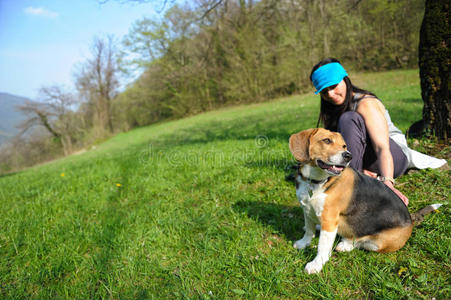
(53, 112)
(97, 80)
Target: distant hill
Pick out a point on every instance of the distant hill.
(10, 117)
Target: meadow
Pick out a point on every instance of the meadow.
(199, 208)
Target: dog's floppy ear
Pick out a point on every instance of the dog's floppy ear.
(299, 144)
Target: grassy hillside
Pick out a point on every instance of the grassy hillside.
(199, 208)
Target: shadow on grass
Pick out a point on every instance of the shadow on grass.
(112, 225)
(9, 174)
(285, 220)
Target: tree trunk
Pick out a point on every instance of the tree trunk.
(434, 63)
(67, 144)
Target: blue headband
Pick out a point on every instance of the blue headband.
(328, 75)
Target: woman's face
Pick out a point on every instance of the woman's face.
(335, 94)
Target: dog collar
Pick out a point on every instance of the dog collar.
(313, 180)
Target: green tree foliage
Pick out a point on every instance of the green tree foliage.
(218, 53)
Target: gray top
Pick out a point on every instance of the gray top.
(392, 129)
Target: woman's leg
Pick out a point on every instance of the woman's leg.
(352, 127)
(399, 160)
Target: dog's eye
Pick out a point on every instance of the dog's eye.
(327, 141)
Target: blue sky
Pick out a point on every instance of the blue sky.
(42, 40)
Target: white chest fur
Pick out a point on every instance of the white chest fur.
(312, 197)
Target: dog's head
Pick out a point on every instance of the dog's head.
(321, 149)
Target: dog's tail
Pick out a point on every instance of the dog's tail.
(418, 216)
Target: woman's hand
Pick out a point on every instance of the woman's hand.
(390, 185)
(369, 173)
(398, 193)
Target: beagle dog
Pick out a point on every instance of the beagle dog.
(362, 210)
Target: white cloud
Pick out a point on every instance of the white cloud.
(41, 12)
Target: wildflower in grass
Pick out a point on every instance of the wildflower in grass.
(62, 174)
(401, 271)
(118, 184)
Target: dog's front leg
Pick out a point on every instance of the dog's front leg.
(309, 232)
(326, 242)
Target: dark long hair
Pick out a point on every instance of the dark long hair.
(330, 113)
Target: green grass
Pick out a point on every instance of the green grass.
(199, 208)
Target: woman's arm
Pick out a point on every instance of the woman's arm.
(372, 111)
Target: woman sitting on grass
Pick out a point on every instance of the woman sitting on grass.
(379, 149)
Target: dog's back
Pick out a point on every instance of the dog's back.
(374, 207)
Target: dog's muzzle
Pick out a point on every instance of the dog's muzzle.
(347, 156)
(335, 168)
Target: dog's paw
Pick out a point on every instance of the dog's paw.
(344, 246)
(301, 244)
(315, 266)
